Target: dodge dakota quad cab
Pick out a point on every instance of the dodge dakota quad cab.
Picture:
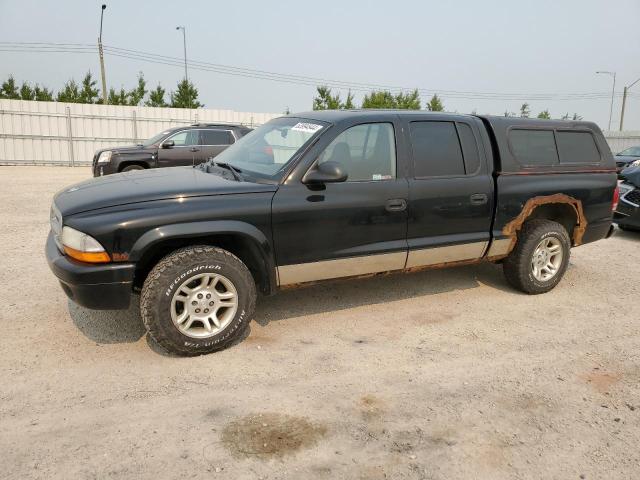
(322, 195)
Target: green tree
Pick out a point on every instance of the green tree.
(70, 93)
(117, 98)
(89, 93)
(574, 117)
(435, 104)
(137, 94)
(525, 111)
(348, 104)
(545, 115)
(379, 99)
(326, 101)
(186, 96)
(26, 92)
(156, 98)
(409, 101)
(43, 94)
(9, 89)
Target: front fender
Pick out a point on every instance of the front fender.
(155, 237)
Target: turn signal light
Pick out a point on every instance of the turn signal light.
(88, 257)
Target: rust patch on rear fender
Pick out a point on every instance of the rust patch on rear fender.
(512, 228)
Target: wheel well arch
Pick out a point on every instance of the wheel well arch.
(561, 213)
(559, 207)
(126, 163)
(242, 246)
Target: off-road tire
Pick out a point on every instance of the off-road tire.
(166, 276)
(129, 168)
(517, 266)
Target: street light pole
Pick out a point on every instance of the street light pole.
(624, 102)
(613, 91)
(101, 53)
(186, 73)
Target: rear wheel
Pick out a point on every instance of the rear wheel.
(198, 300)
(540, 258)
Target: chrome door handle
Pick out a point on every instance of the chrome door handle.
(478, 199)
(396, 205)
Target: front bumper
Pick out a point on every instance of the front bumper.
(627, 215)
(99, 287)
(101, 169)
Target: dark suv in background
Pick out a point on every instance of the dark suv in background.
(174, 147)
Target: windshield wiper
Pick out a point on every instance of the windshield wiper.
(235, 171)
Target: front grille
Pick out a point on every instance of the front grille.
(633, 196)
(620, 164)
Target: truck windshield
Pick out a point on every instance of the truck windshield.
(267, 150)
(631, 152)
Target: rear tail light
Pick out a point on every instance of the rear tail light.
(268, 150)
(616, 198)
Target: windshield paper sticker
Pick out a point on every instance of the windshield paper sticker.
(306, 127)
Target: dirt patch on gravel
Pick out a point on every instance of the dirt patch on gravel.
(602, 381)
(270, 435)
(371, 407)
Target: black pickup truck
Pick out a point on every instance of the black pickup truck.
(330, 194)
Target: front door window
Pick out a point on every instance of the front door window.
(367, 152)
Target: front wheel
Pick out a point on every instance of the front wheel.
(197, 300)
(130, 168)
(540, 258)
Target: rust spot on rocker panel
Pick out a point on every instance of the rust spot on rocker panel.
(511, 229)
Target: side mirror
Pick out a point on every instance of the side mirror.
(327, 172)
(168, 144)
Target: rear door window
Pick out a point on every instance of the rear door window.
(215, 137)
(436, 149)
(577, 147)
(533, 147)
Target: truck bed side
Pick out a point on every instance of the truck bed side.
(576, 194)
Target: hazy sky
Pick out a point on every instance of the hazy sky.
(506, 47)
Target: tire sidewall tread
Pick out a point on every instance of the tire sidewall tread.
(517, 266)
(169, 273)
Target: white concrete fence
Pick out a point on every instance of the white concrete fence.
(41, 133)
(55, 133)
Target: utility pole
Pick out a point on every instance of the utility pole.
(186, 73)
(101, 53)
(613, 91)
(624, 102)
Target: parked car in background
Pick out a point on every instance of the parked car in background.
(627, 215)
(172, 148)
(330, 194)
(627, 157)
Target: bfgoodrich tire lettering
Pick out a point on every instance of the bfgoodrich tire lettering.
(517, 267)
(170, 273)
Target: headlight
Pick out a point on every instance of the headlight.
(55, 218)
(635, 163)
(81, 246)
(105, 157)
(625, 188)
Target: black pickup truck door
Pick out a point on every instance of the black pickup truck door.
(450, 191)
(344, 229)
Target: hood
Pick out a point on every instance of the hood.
(632, 175)
(148, 185)
(625, 158)
(127, 149)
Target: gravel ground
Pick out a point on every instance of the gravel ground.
(445, 374)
